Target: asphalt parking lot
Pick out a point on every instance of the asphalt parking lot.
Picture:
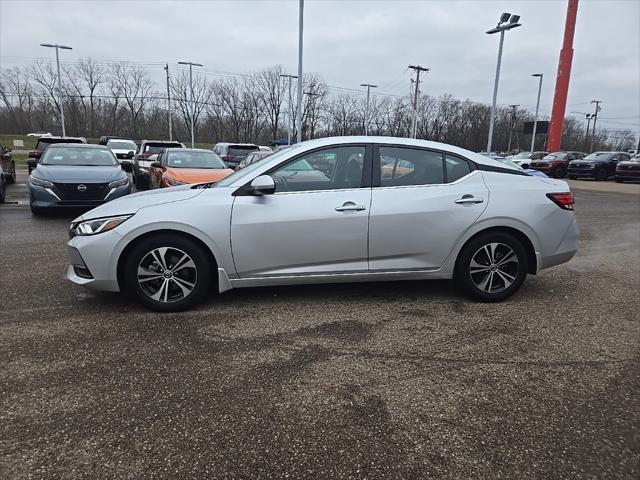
(377, 380)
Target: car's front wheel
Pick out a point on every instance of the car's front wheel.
(168, 273)
(602, 175)
(559, 172)
(492, 267)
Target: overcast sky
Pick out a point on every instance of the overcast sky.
(354, 42)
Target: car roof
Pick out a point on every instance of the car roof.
(159, 141)
(48, 139)
(183, 150)
(236, 143)
(400, 141)
(79, 145)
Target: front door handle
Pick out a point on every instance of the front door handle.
(350, 207)
(468, 200)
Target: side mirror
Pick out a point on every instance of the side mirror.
(263, 185)
(131, 153)
(156, 164)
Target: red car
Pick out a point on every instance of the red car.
(43, 144)
(628, 169)
(556, 164)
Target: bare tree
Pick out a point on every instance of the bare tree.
(181, 94)
(134, 85)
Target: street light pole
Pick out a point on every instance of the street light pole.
(290, 112)
(366, 112)
(192, 113)
(507, 22)
(57, 47)
(169, 103)
(535, 119)
(299, 117)
(595, 118)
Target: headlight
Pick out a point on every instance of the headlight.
(40, 183)
(174, 182)
(119, 183)
(98, 225)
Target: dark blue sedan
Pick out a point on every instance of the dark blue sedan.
(76, 175)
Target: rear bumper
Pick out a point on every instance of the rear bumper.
(566, 249)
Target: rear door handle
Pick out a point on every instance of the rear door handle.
(350, 207)
(469, 199)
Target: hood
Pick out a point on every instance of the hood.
(134, 202)
(198, 175)
(78, 174)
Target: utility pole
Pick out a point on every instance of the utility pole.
(299, 117)
(366, 112)
(58, 47)
(166, 67)
(290, 112)
(192, 113)
(513, 121)
(595, 117)
(414, 118)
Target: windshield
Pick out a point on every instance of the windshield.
(598, 155)
(522, 155)
(554, 156)
(238, 175)
(76, 156)
(151, 148)
(187, 159)
(122, 145)
(241, 150)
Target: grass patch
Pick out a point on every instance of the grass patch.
(19, 158)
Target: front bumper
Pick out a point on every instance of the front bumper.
(628, 174)
(93, 263)
(582, 172)
(546, 169)
(47, 198)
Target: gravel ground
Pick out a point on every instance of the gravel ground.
(379, 380)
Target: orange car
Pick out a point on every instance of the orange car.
(178, 166)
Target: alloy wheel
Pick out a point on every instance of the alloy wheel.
(494, 267)
(167, 274)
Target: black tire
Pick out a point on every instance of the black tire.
(11, 178)
(602, 175)
(572, 177)
(467, 280)
(559, 172)
(3, 190)
(197, 278)
(140, 183)
(619, 180)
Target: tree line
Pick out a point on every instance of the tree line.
(122, 99)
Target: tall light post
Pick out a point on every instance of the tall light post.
(507, 22)
(595, 118)
(290, 112)
(192, 113)
(299, 117)
(366, 111)
(58, 47)
(535, 119)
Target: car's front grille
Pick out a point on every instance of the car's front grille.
(579, 165)
(124, 155)
(81, 192)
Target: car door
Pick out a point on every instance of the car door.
(155, 173)
(422, 202)
(315, 222)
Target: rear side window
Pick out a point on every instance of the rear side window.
(456, 168)
(400, 166)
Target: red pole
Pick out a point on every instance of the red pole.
(562, 79)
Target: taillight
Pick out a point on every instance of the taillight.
(34, 153)
(563, 200)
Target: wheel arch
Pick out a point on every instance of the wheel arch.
(213, 263)
(532, 260)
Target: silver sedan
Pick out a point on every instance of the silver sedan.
(331, 210)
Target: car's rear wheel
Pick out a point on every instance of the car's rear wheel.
(559, 172)
(12, 177)
(572, 177)
(492, 267)
(168, 273)
(619, 180)
(602, 174)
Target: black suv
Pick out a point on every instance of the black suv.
(43, 144)
(142, 162)
(598, 165)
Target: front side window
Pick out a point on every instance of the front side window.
(329, 169)
(400, 166)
